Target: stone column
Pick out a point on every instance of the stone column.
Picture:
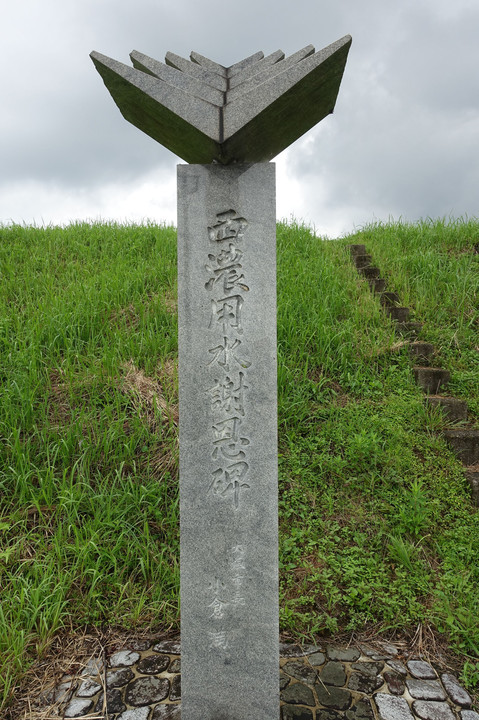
(228, 441)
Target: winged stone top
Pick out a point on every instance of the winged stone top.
(248, 112)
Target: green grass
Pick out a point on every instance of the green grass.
(377, 530)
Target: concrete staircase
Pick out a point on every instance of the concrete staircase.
(432, 380)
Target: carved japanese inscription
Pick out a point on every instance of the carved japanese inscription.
(228, 358)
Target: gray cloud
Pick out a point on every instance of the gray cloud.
(403, 140)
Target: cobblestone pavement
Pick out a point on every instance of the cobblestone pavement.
(143, 682)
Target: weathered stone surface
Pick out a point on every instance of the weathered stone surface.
(395, 683)
(193, 85)
(431, 380)
(153, 664)
(465, 444)
(290, 650)
(365, 683)
(452, 407)
(147, 690)
(124, 658)
(377, 285)
(205, 115)
(390, 649)
(329, 714)
(393, 708)
(167, 712)
(457, 693)
(284, 680)
(140, 713)
(139, 645)
(175, 692)
(88, 688)
(61, 693)
(78, 708)
(368, 668)
(428, 710)
(345, 654)
(362, 260)
(333, 673)
(247, 80)
(114, 703)
(93, 668)
(317, 658)
(301, 671)
(370, 272)
(175, 666)
(228, 467)
(398, 313)
(298, 694)
(421, 352)
(289, 712)
(118, 678)
(389, 298)
(398, 667)
(421, 670)
(469, 715)
(172, 647)
(367, 650)
(425, 689)
(333, 697)
(361, 711)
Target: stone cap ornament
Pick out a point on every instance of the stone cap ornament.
(248, 112)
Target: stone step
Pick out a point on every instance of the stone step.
(362, 261)
(389, 299)
(431, 380)
(472, 476)
(400, 314)
(357, 249)
(408, 329)
(453, 408)
(421, 351)
(370, 272)
(377, 285)
(465, 444)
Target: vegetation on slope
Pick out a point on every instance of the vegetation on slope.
(377, 530)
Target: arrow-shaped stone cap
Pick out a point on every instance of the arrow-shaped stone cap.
(248, 112)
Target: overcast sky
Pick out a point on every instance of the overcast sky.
(403, 141)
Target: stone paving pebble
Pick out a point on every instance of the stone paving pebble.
(143, 682)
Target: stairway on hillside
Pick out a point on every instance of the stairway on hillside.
(432, 380)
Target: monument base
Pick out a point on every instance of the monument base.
(228, 442)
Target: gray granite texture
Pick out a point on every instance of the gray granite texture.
(228, 440)
(248, 112)
(303, 694)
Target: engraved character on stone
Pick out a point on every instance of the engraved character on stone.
(228, 226)
(228, 481)
(218, 607)
(226, 439)
(226, 269)
(227, 312)
(226, 397)
(217, 640)
(225, 354)
(238, 598)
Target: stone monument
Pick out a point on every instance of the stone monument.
(228, 123)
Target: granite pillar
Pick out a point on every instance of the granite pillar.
(228, 441)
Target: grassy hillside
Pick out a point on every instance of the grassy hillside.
(377, 529)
